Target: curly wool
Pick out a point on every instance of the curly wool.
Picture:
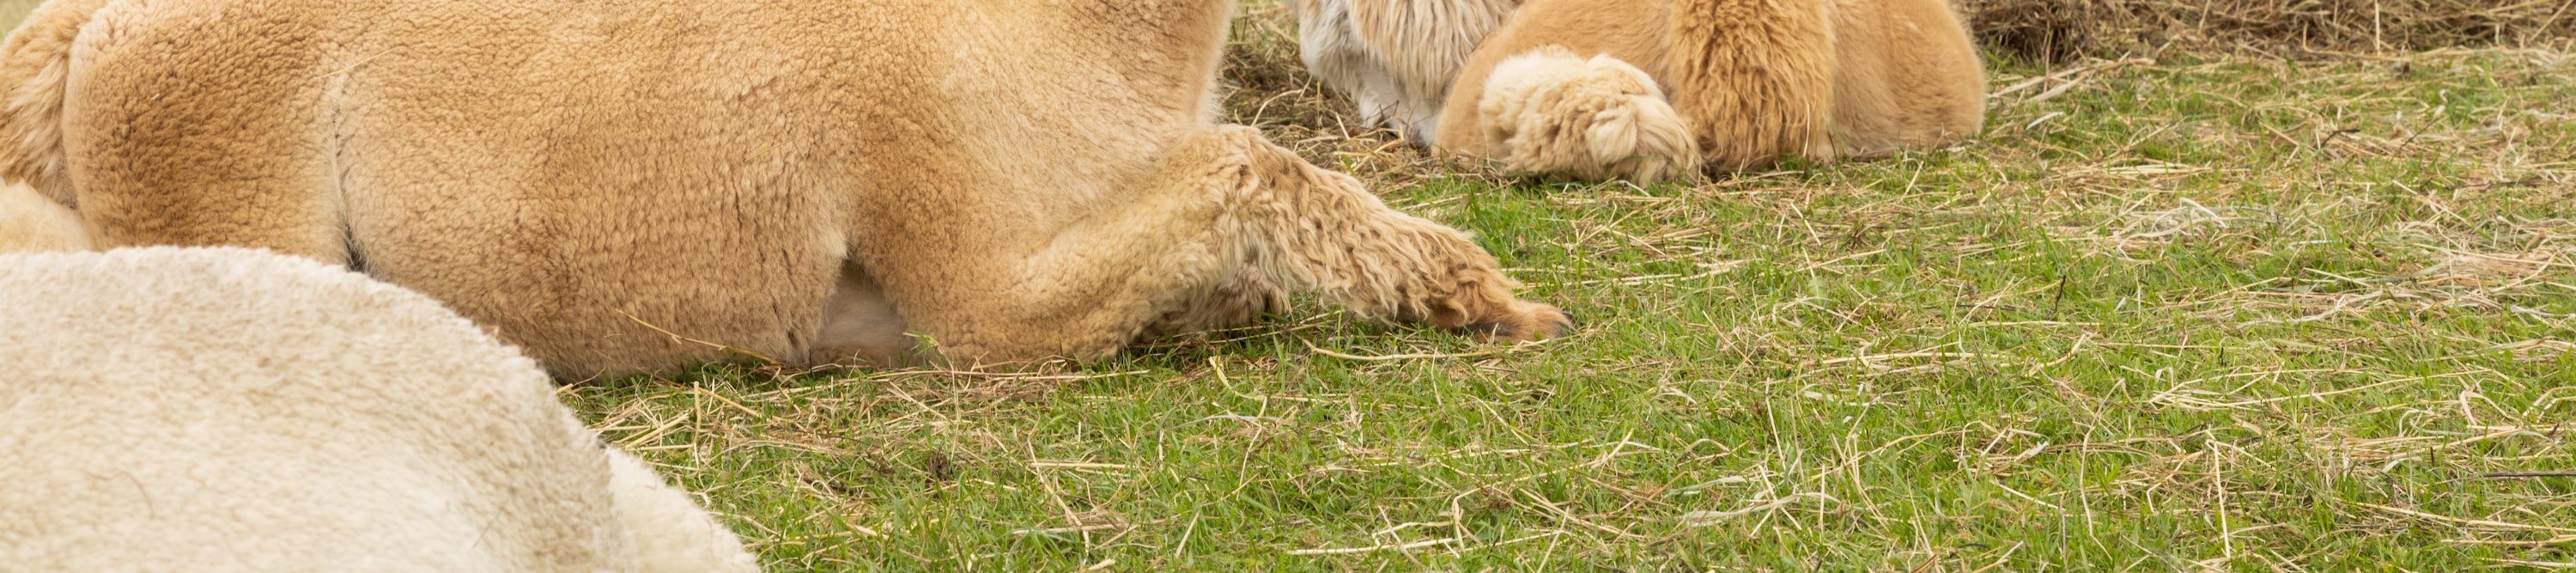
(1553, 112)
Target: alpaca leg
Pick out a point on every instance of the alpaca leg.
(1551, 112)
(1238, 300)
(1225, 209)
(1312, 230)
(859, 322)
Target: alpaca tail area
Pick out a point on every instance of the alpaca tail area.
(1755, 77)
(1551, 112)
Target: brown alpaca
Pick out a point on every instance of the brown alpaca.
(1752, 81)
(625, 186)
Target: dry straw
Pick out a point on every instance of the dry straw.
(2060, 30)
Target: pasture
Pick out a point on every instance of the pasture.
(2208, 310)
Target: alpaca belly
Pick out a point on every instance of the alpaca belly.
(860, 322)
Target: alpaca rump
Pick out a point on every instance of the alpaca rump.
(1755, 77)
(621, 187)
(1907, 77)
(226, 409)
(1754, 80)
(1551, 112)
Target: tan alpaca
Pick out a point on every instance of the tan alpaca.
(803, 181)
(1753, 80)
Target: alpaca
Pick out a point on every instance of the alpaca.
(1394, 58)
(226, 409)
(1751, 81)
(1549, 111)
(630, 186)
(32, 222)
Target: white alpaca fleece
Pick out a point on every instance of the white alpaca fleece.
(187, 409)
(1550, 111)
(1394, 58)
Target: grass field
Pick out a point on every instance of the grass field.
(2206, 312)
(2201, 313)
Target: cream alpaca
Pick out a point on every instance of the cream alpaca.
(31, 222)
(225, 409)
(631, 185)
(1549, 111)
(1753, 80)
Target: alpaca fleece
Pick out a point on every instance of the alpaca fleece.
(630, 185)
(31, 222)
(1394, 57)
(193, 409)
(1551, 112)
(1755, 80)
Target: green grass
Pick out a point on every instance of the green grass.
(2207, 313)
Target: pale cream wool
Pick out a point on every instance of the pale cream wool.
(1552, 112)
(618, 187)
(31, 222)
(225, 409)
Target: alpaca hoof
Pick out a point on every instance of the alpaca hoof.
(1534, 322)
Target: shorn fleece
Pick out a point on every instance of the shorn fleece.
(225, 409)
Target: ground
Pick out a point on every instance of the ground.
(2204, 311)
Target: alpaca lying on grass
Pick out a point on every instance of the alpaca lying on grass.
(226, 409)
(630, 186)
(1748, 81)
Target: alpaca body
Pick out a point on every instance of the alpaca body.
(627, 185)
(1752, 81)
(233, 410)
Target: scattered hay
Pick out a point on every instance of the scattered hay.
(2061, 30)
(1266, 86)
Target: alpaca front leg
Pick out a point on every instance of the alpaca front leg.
(1313, 230)
(1159, 262)
(1227, 212)
(1239, 300)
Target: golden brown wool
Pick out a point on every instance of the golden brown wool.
(626, 185)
